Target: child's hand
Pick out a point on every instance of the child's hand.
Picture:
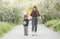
(24, 23)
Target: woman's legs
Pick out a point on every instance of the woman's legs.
(36, 21)
(34, 24)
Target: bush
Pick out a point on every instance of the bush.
(51, 23)
(10, 16)
(43, 18)
(51, 8)
(57, 27)
(54, 24)
(4, 27)
(9, 13)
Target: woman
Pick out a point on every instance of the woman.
(35, 14)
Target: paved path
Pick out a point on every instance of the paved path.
(42, 33)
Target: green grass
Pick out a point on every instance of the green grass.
(54, 24)
(51, 23)
(5, 27)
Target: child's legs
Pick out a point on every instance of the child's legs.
(25, 30)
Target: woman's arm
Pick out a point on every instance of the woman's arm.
(38, 14)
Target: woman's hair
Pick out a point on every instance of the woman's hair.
(35, 9)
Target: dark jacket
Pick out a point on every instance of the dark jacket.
(27, 22)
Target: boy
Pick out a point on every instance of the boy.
(25, 24)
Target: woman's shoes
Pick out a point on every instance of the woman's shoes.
(34, 34)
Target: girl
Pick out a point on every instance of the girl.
(34, 14)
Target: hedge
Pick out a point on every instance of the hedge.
(54, 24)
(5, 27)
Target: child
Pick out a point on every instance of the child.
(25, 24)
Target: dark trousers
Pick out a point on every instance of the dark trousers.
(34, 24)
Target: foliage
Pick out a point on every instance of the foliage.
(54, 24)
(4, 27)
(29, 9)
(9, 13)
(50, 8)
